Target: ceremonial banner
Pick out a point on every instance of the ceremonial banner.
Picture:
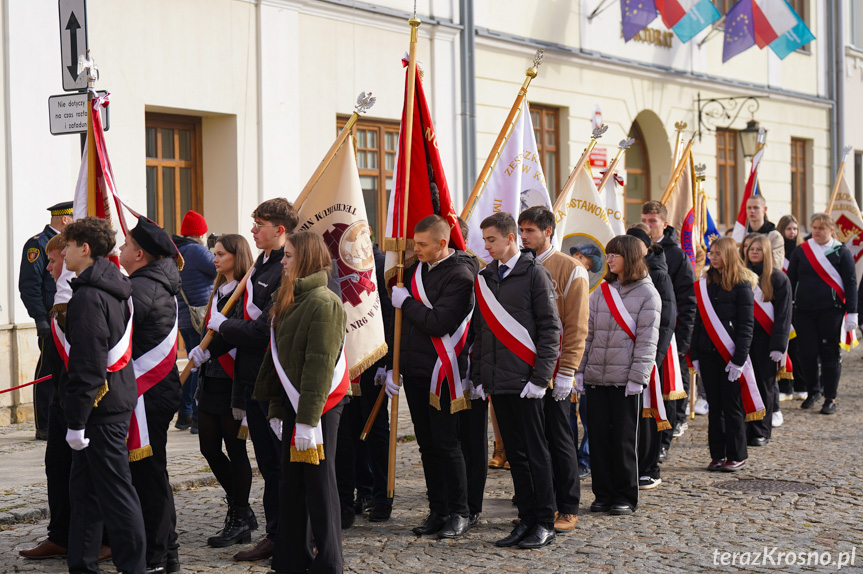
(335, 208)
(515, 183)
(429, 193)
(681, 209)
(849, 224)
(613, 205)
(751, 187)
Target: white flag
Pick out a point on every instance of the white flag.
(515, 183)
(613, 206)
(849, 224)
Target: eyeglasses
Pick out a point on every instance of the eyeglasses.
(611, 256)
(257, 226)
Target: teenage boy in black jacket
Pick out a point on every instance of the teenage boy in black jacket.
(99, 399)
(148, 258)
(516, 289)
(447, 283)
(274, 219)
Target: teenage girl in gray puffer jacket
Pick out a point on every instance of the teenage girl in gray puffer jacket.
(615, 370)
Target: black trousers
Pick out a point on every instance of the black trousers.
(233, 471)
(43, 393)
(818, 339)
(440, 449)
(58, 467)
(765, 377)
(309, 505)
(649, 439)
(101, 493)
(522, 427)
(268, 453)
(612, 423)
(473, 430)
(564, 459)
(726, 419)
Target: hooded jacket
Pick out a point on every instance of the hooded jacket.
(736, 313)
(683, 279)
(658, 269)
(611, 357)
(197, 277)
(95, 321)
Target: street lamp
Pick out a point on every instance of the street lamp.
(723, 112)
(749, 138)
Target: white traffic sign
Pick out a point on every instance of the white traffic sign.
(67, 114)
(73, 42)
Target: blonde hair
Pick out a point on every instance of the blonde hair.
(767, 269)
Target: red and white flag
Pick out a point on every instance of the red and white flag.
(751, 187)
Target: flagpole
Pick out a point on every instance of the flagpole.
(678, 127)
(91, 141)
(364, 102)
(836, 182)
(678, 169)
(621, 149)
(564, 191)
(502, 138)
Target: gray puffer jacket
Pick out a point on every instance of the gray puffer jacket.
(610, 356)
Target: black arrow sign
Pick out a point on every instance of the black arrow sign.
(73, 26)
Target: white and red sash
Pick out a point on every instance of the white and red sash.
(785, 265)
(618, 310)
(753, 405)
(764, 314)
(448, 348)
(830, 275)
(150, 369)
(338, 389)
(118, 355)
(226, 360)
(508, 331)
(672, 384)
(250, 311)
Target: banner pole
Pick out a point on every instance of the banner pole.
(564, 191)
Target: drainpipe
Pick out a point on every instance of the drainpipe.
(468, 98)
(839, 72)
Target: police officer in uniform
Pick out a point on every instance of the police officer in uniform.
(37, 289)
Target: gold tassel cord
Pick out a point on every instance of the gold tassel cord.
(103, 390)
(663, 425)
(756, 416)
(370, 360)
(140, 453)
(243, 433)
(674, 395)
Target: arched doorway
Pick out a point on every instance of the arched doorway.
(647, 163)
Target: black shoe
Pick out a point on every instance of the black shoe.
(517, 535)
(348, 517)
(237, 530)
(757, 441)
(154, 570)
(620, 510)
(540, 536)
(41, 434)
(663, 454)
(173, 564)
(473, 519)
(600, 507)
(810, 400)
(583, 471)
(194, 428)
(829, 407)
(431, 525)
(362, 504)
(184, 421)
(455, 527)
(380, 513)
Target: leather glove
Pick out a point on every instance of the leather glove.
(633, 389)
(476, 392)
(532, 391)
(562, 387)
(697, 366)
(399, 296)
(380, 376)
(43, 330)
(304, 437)
(850, 322)
(390, 387)
(216, 320)
(76, 440)
(776, 356)
(276, 425)
(199, 356)
(239, 414)
(733, 371)
(579, 382)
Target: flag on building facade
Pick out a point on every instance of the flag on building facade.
(429, 193)
(771, 19)
(795, 38)
(636, 15)
(515, 183)
(849, 224)
(751, 188)
(739, 30)
(686, 18)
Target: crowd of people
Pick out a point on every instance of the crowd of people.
(522, 341)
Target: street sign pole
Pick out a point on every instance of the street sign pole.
(73, 42)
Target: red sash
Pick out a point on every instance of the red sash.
(448, 349)
(226, 360)
(672, 384)
(764, 314)
(618, 311)
(250, 310)
(753, 404)
(822, 266)
(118, 355)
(505, 328)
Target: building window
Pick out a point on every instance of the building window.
(174, 169)
(857, 25)
(637, 165)
(546, 130)
(798, 179)
(726, 176)
(376, 146)
(799, 6)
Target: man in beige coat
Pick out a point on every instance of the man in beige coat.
(571, 290)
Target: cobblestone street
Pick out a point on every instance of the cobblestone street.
(685, 525)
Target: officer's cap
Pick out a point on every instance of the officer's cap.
(62, 208)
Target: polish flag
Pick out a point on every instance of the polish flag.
(751, 186)
(772, 19)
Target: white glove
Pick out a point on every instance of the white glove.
(733, 371)
(304, 437)
(476, 392)
(276, 425)
(579, 382)
(216, 320)
(562, 387)
(776, 356)
(76, 439)
(633, 389)
(239, 414)
(697, 366)
(532, 391)
(380, 376)
(850, 321)
(199, 356)
(399, 296)
(390, 387)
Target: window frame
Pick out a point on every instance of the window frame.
(539, 132)
(729, 166)
(799, 175)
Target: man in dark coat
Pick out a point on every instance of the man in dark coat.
(148, 258)
(99, 398)
(37, 290)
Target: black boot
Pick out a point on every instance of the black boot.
(249, 514)
(237, 530)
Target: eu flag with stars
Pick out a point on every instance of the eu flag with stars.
(637, 14)
(739, 30)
